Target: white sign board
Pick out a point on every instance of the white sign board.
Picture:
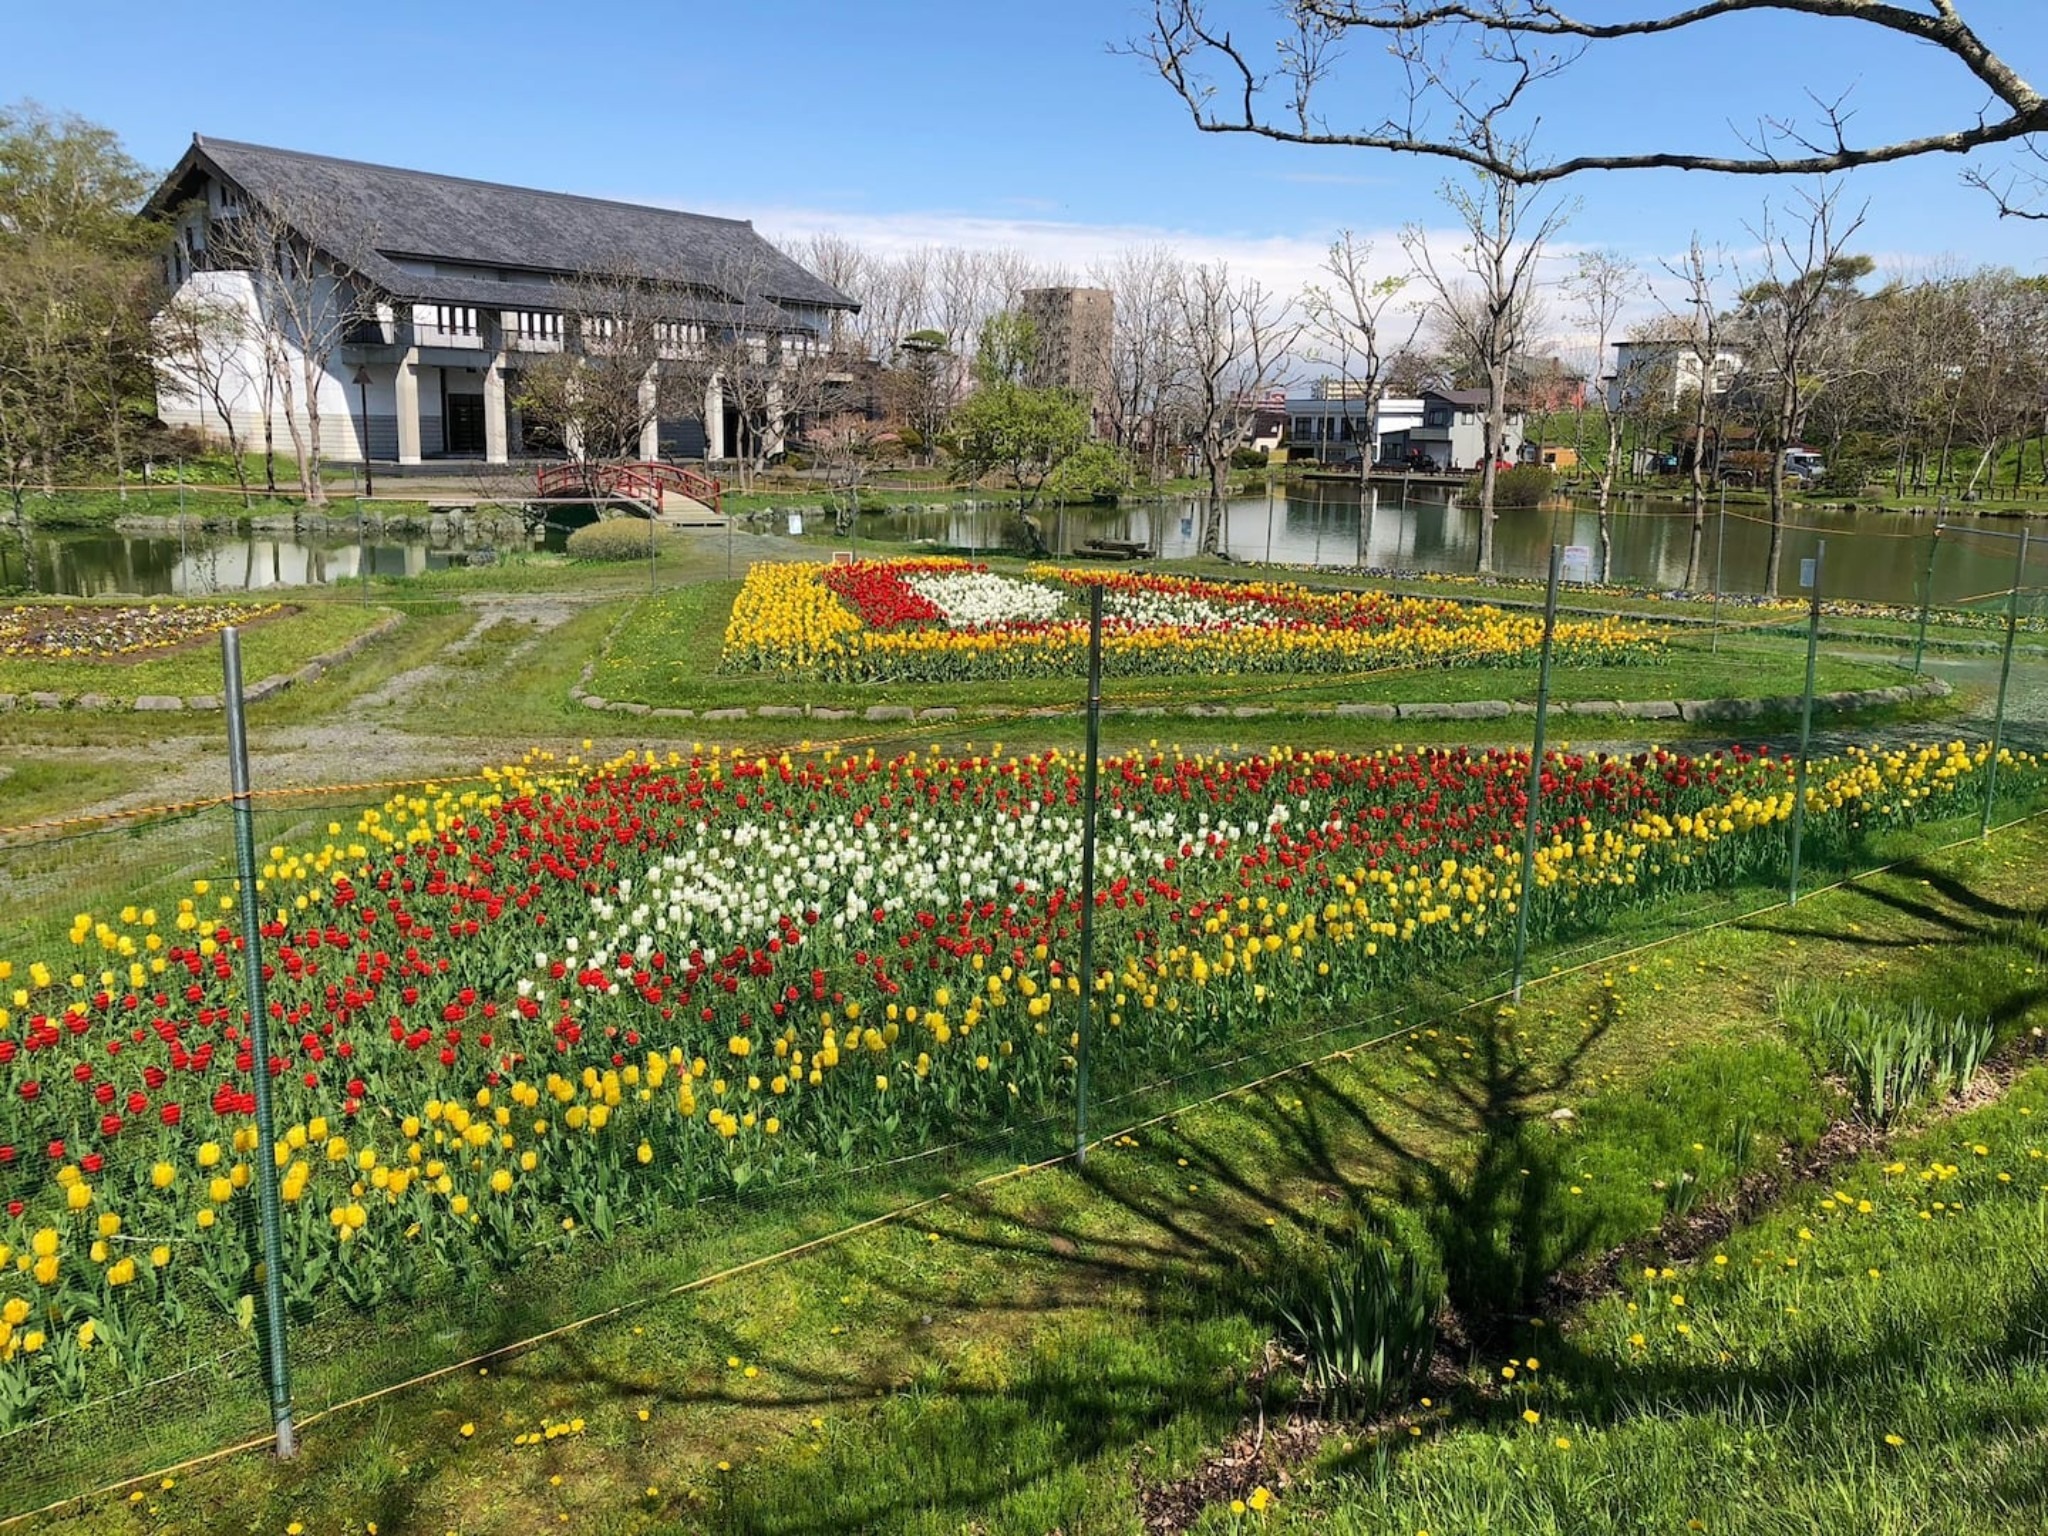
(796, 524)
(1576, 563)
(1806, 573)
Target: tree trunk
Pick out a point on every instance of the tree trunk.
(1699, 483)
(1496, 431)
(28, 546)
(269, 439)
(296, 433)
(1983, 462)
(316, 491)
(1218, 460)
(1607, 470)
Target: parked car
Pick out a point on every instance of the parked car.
(1804, 465)
(1414, 461)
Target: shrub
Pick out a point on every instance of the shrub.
(1889, 1058)
(1096, 472)
(611, 538)
(1248, 458)
(1366, 1323)
(1525, 485)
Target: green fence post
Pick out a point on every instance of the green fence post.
(2012, 624)
(1535, 773)
(1926, 599)
(1720, 561)
(267, 1203)
(1820, 554)
(1088, 872)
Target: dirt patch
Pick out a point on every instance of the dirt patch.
(1260, 1454)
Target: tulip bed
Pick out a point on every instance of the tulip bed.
(513, 1018)
(948, 620)
(110, 631)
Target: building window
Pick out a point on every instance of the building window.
(1439, 416)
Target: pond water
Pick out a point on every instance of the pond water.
(1878, 557)
(1875, 557)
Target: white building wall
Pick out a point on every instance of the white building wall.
(180, 403)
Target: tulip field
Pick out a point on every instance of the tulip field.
(942, 620)
(513, 1019)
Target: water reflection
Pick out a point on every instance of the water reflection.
(1878, 557)
(195, 565)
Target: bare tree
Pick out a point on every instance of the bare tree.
(1235, 338)
(1352, 325)
(1801, 289)
(1699, 329)
(2001, 378)
(1465, 76)
(1144, 362)
(842, 263)
(1494, 315)
(895, 299)
(204, 348)
(1603, 286)
(601, 392)
(752, 357)
(309, 300)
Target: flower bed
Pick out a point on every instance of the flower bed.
(944, 620)
(512, 1020)
(116, 631)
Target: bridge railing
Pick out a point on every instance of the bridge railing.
(642, 478)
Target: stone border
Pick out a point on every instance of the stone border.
(252, 693)
(1691, 711)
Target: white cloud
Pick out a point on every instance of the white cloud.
(1283, 261)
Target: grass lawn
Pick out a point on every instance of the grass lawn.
(666, 654)
(1069, 1347)
(271, 643)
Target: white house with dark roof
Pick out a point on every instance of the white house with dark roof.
(453, 284)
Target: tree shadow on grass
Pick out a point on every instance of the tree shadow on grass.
(1454, 1132)
(1451, 1146)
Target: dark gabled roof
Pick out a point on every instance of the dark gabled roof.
(376, 215)
(1470, 399)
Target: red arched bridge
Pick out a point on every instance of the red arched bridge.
(668, 493)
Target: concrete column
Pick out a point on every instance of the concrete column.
(495, 423)
(409, 407)
(650, 415)
(714, 419)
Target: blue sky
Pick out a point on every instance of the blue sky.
(971, 121)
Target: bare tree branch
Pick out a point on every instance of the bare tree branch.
(1478, 60)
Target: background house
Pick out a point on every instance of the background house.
(420, 298)
(1329, 424)
(1660, 373)
(1453, 430)
(1449, 426)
